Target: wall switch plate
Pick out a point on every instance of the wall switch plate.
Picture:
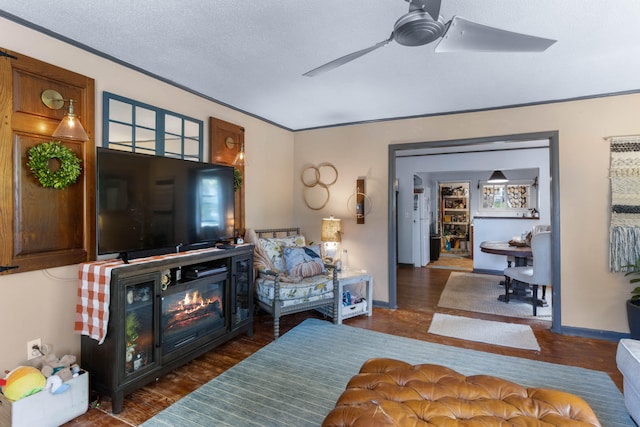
(32, 353)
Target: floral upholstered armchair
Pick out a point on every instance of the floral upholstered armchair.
(291, 276)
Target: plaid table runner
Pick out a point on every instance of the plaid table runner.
(92, 307)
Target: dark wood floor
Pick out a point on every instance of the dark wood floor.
(418, 294)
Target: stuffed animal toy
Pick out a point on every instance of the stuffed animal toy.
(57, 371)
(23, 381)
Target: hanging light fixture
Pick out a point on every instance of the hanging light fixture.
(70, 126)
(240, 159)
(497, 177)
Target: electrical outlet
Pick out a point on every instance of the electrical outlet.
(32, 353)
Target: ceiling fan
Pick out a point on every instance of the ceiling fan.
(423, 24)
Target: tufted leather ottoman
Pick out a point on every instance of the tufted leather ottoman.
(389, 392)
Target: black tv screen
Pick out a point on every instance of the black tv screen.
(157, 204)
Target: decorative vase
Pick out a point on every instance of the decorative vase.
(633, 316)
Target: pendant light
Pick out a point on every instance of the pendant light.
(497, 177)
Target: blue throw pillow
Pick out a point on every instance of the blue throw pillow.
(303, 261)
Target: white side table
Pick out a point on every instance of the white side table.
(350, 278)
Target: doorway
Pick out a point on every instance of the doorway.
(487, 145)
(454, 219)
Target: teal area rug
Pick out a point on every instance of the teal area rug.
(296, 380)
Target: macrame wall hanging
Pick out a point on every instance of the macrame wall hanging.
(624, 228)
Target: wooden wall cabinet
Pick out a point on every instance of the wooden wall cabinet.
(43, 227)
(226, 140)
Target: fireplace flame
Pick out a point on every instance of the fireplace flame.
(194, 301)
(190, 307)
(194, 298)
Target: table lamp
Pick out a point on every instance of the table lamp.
(331, 236)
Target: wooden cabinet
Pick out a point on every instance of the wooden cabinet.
(226, 140)
(166, 312)
(454, 220)
(43, 227)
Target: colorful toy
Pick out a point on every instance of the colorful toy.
(23, 381)
(51, 365)
(57, 371)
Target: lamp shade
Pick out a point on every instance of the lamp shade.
(331, 229)
(70, 127)
(497, 177)
(240, 159)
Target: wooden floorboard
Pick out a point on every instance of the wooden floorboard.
(418, 292)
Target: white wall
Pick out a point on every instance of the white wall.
(592, 297)
(41, 304)
(347, 149)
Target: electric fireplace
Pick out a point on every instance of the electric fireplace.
(191, 311)
(157, 325)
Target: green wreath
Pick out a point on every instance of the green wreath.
(237, 180)
(65, 175)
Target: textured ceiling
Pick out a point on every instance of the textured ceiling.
(251, 55)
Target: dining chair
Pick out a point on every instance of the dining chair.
(535, 230)
(538, 274)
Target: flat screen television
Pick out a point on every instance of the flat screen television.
(149, 205)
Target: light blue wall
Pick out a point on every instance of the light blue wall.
(464, 167)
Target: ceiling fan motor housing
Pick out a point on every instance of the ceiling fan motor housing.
(417, 28)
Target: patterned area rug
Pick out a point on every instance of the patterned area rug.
(480, 292)
(296, 380)
(486, 331)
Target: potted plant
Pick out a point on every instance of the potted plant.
(131, 333)
(633, 303)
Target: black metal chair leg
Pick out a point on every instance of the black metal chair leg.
(534, 300)
(507, 284)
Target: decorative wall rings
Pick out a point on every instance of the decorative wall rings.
(318, 175)
(316, 179)
(326, 200)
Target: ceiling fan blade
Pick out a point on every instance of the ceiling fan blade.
(467, 36)
(347, 58)
(432, 7)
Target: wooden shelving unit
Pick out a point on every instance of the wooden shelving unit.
(454, 220)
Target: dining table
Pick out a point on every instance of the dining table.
(521, 253)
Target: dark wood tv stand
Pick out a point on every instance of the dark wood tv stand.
(145, 338)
